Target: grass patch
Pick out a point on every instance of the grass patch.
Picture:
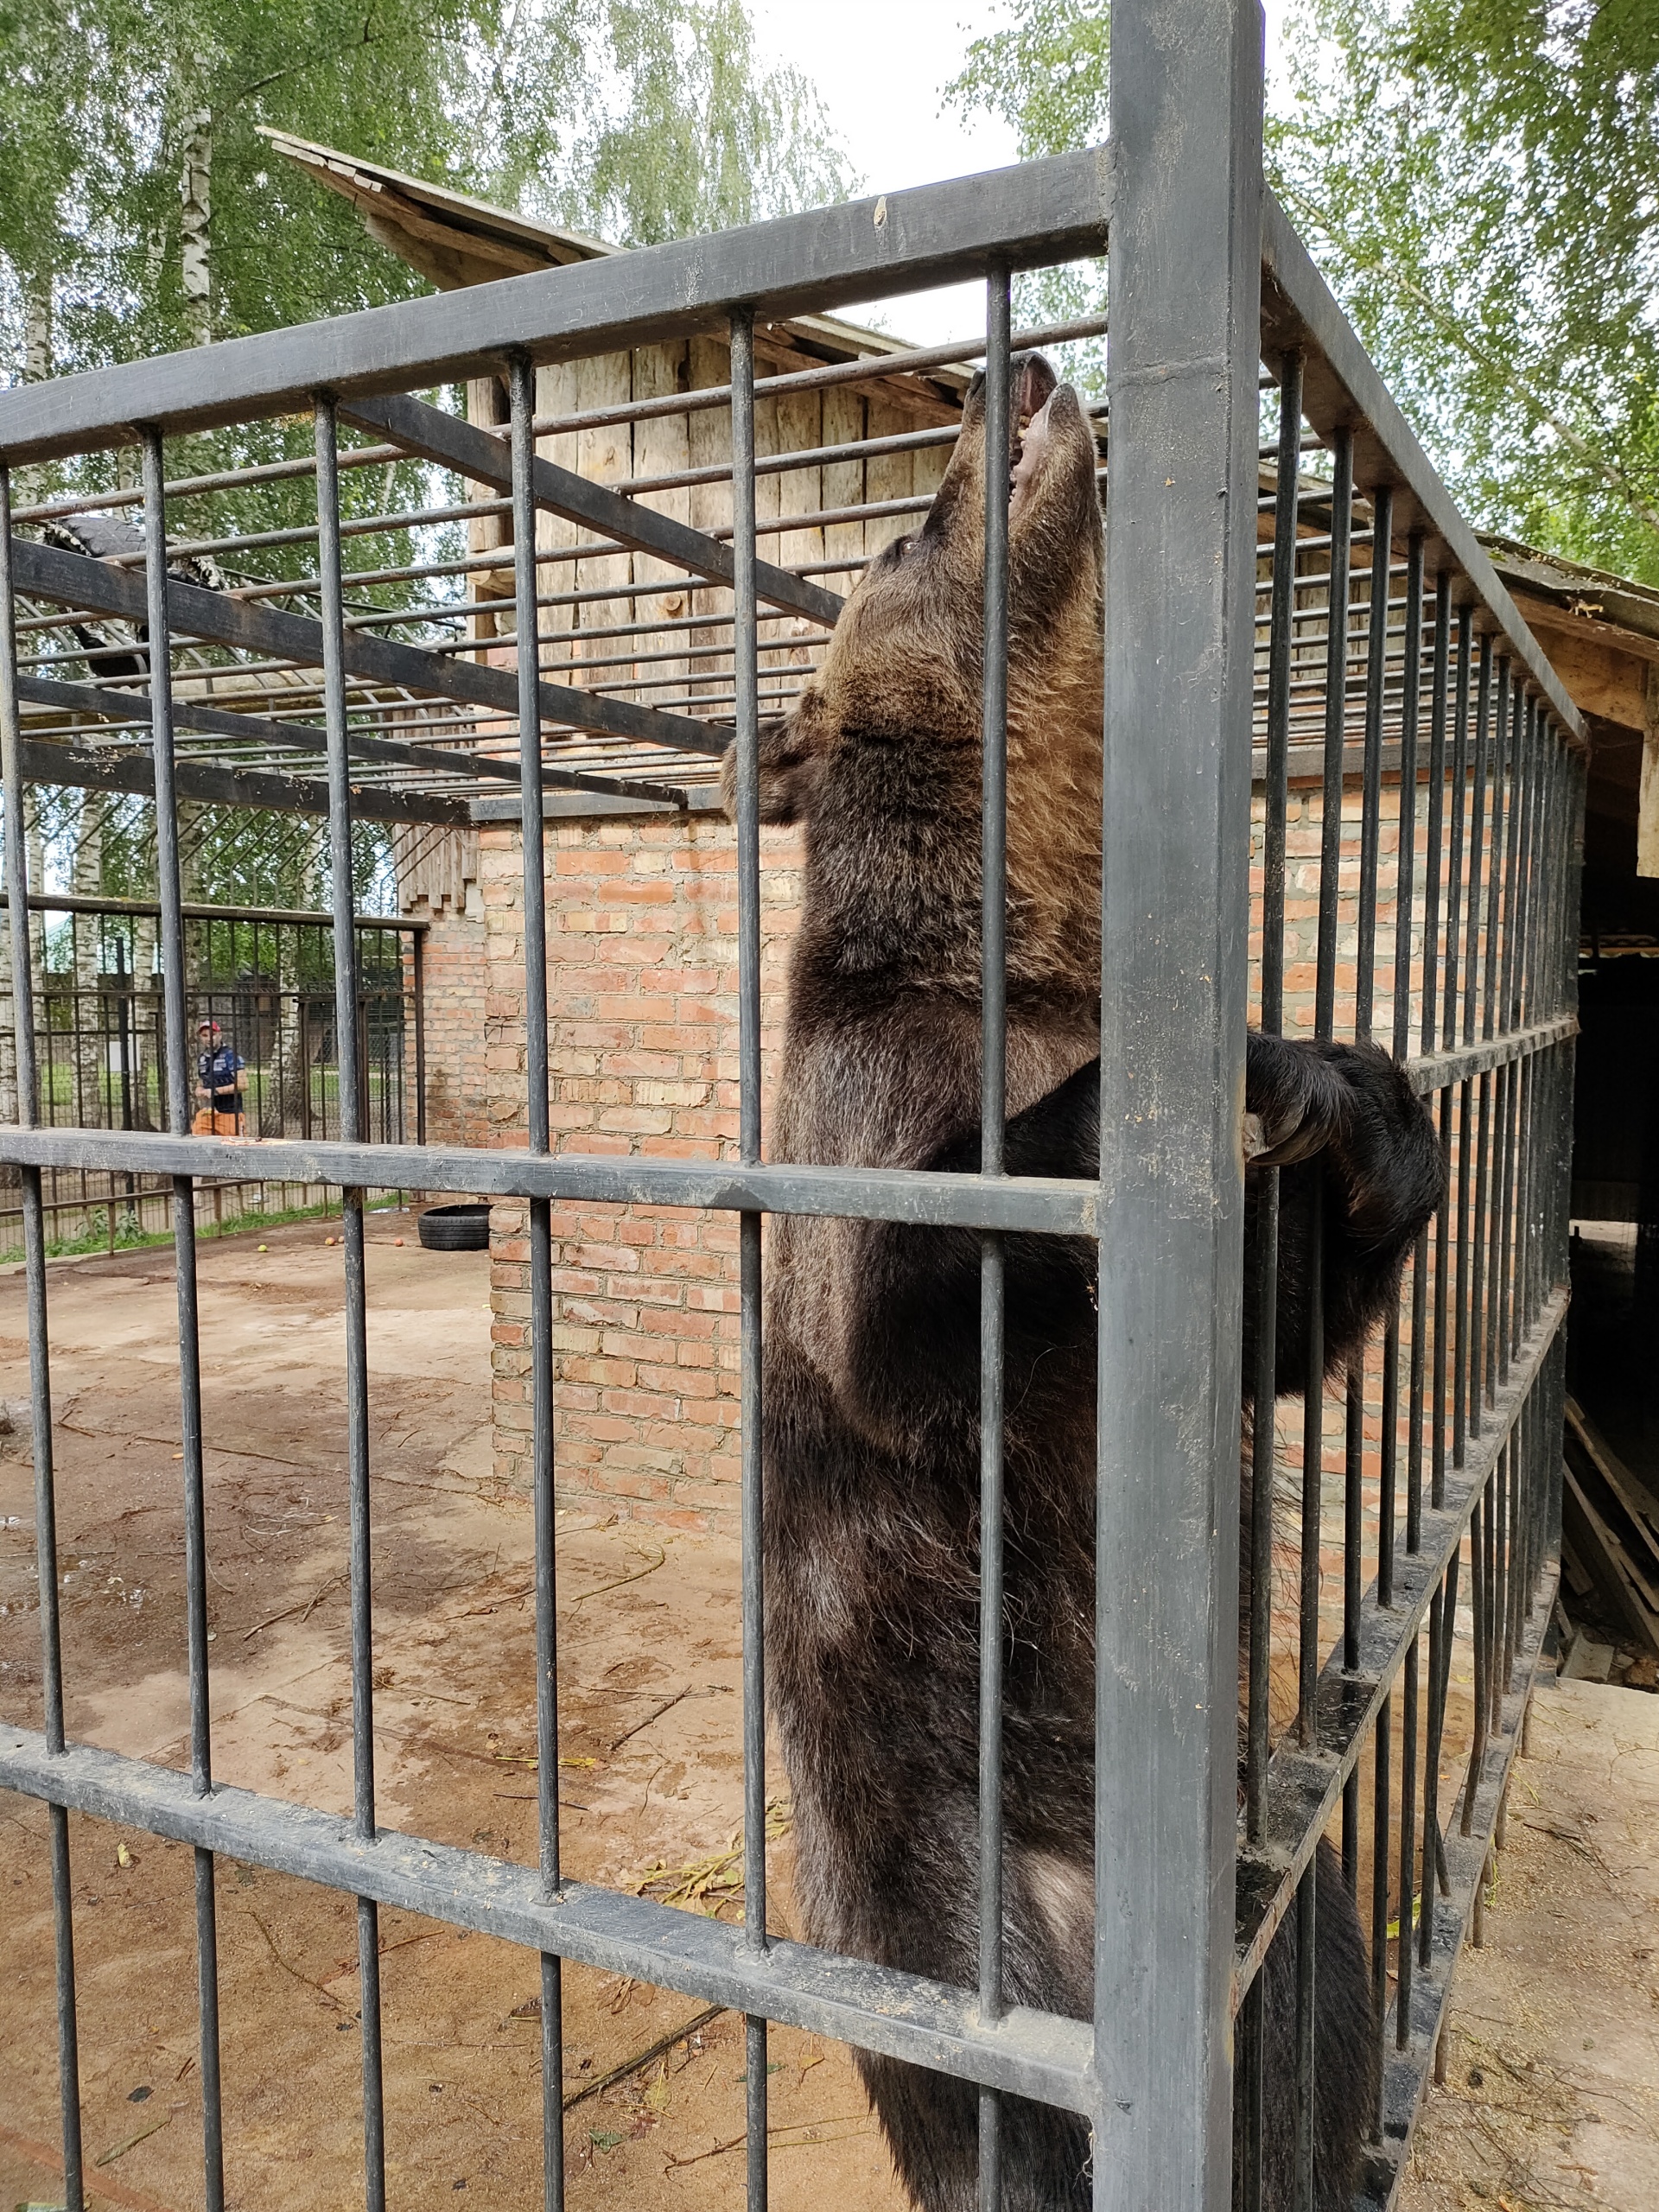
(129, 1237)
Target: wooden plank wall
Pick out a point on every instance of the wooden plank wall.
(698, 660)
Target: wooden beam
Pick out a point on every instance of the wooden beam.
(1647, 805)
(1603, 674)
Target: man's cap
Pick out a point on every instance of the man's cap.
(207, 1022)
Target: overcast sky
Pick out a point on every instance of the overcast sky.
(881, 68)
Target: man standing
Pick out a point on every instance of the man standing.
(221, 1079)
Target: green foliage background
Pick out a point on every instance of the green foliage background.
(1479, 181)
(639, 119)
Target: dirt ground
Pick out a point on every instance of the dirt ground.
(648, 1638)
(1552, 2096)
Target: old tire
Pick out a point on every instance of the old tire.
(456, 1229)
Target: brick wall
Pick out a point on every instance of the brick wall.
(642, 989)
(643, 1024)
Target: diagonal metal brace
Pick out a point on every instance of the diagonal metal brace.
(216, 617)
(475, 453)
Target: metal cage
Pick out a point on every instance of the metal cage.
(1289, 652)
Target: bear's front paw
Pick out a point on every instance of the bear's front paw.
(1294, 1101)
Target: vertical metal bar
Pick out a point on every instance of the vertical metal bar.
(40, 1373)
(1306, 2034)
(1336, 698)
(168, 894)
(1480, 1596)
(1185, 99)
(521, 411)
(1280, 654)
(1434, 856)
(1461, 1370)
(993, 1107)
(1403, 1959)
(418, 946)
(1495, 876)
(1325, 999)
(1442, 1304)
(1455, 889)
(1388, 1461)
(744, 666)
(1353, 1504)
(1477, 1293)
(1247, 2089)
(1405, 877)
(349, 1073)
(1382, 1746)
(1415, 1394)
(1376, 653)
(1439, 1625)
(1443, 1682)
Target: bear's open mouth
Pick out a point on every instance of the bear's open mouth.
(1035, 387)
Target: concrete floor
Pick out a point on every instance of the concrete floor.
(1551, 2102)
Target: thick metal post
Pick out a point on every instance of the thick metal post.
(1180, 575)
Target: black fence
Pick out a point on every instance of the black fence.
(1413, 772)
(102, 1038)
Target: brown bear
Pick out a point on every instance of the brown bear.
(871, 1383)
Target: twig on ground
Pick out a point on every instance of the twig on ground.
(327, 1996)
(306, 1607)
(644, 2058)
(621, 1581)
(667, 1706)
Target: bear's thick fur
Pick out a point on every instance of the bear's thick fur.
(872, 1346)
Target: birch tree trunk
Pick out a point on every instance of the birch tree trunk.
(195, 216)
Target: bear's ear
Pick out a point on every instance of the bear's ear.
(791, 762)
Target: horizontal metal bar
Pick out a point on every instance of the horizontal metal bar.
(99, 699)
(901, 2015)
(68, 902)
(455, 444)
(1026, 217)
(1050, 1206)
(1435, 1071)
(1305, 1783)
(1405, 2071)
(865, 368)
(1341, 385)
(184, 487)
(68, 766)
(311, 738)
(74, 579)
